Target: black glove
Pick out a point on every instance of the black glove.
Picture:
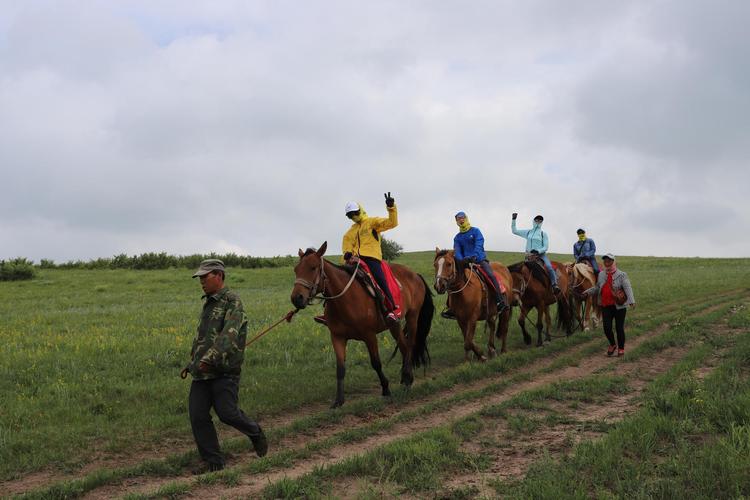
(347, 256)
(473, 260)
(515, 215)
(389, 201)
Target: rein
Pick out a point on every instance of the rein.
(287, 317)
(322, 278)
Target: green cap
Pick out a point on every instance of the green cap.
(209, 265)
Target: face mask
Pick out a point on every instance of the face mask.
(463, 226)
(581, 237)
(537, 224)
(357, 218)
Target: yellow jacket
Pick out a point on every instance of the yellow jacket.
(363, 238)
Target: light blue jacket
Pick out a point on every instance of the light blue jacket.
(536, 239)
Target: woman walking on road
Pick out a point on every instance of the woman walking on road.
(615, 295)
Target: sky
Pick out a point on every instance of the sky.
(246, 126)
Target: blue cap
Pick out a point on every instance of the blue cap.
(460, 214)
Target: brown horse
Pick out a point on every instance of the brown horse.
(581, 277)
(353, 314)
(531, 287)
(471, 301)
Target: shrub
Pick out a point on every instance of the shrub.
(16, 269)
(391, 249)
(47, 264)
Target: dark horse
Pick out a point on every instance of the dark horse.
(470, 300)
(531, 287)
(353, 314)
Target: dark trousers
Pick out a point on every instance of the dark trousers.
(377, 273)
(608, 314)
(221, 394)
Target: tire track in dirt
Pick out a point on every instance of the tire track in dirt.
(41, 479)
(251, 486)
(515, 454)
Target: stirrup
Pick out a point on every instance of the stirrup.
(391, 319)
(447, 314)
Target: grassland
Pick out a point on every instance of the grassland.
(90, 361)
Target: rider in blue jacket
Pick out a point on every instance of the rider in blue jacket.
(584, 250)
(469, 244)
(537, 242)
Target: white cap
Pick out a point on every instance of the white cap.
(608, 256)
(352, 206)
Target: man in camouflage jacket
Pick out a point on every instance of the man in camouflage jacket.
(216, 363)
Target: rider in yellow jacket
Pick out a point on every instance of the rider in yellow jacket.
(363, 240)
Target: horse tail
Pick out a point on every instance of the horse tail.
(420, 355)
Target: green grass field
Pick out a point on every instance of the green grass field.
(90, 359)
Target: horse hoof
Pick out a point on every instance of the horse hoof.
(491, 353)
(336, 404)
(386, 392)
(482, 359)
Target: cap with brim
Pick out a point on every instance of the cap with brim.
(207, 266)
(608, 256)
(538, 217)
(581, 231)
(460, 214)
(352, 206)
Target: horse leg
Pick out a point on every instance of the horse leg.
(406, 374)
(522, 324)
(586, 314)
(540, 316)
(502, 329)
(490, 326)
(372, 348)
(339, 348)
(469, 341)
(547, 324)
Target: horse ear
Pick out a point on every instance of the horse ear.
(300, 253)
(437, 250)
(322, 249)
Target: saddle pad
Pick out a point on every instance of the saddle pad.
(487, 280)
(393, 284)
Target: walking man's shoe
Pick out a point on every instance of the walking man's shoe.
(611, 350)
(260, 444)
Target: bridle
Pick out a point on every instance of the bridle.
(320, 281)
(452, 278)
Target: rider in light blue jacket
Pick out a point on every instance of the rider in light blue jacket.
(537, 242)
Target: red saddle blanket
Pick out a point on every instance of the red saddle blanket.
(392, 285)
(487, 279)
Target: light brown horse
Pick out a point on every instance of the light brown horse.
(471, 301)
(581, 277)
(353, 314)
(531, 287)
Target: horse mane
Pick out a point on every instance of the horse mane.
(309, 251)
(515, 268)
(442, 252)
(538, 271)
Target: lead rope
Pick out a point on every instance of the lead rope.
(287, 317)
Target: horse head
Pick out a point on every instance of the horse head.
(309, 276)
(445, 269)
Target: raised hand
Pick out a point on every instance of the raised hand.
(389, 201)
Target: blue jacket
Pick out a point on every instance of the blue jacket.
(536, 239)
(584, 249)
(469, 244)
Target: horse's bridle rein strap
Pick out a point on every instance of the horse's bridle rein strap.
(322, 278)
(455, 275)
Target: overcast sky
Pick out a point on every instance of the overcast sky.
(246, 126)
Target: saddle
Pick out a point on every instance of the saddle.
(365, 277)
(487, 281)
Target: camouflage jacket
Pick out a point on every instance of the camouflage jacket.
(221, 336)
